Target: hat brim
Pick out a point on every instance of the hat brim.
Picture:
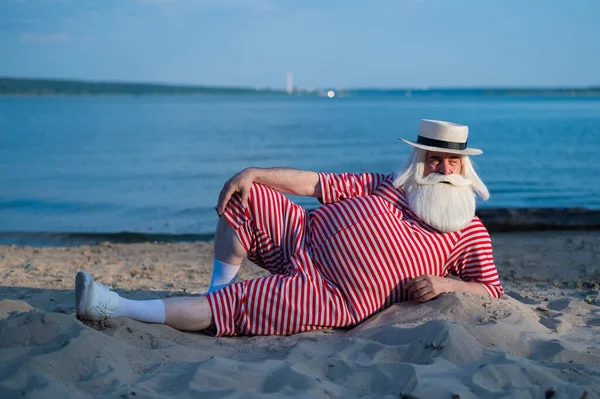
(466, 151)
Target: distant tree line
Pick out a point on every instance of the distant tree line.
(41, 87)
(22, 86)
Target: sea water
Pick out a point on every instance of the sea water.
(156, 164)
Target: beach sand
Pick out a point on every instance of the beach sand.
(541, 340)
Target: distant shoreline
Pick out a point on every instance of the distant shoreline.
(50, 87)
(21, 87)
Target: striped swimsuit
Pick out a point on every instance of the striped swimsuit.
(343, 262)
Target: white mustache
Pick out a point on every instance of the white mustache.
(435, 178)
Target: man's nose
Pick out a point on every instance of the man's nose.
(444, 168)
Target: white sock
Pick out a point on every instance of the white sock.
(152, 311)
(223, 274)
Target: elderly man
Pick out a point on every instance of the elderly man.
(377, 239)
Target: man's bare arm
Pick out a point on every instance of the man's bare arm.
(284, 180)
(289, 181)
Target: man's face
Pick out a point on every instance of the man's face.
(442, 163)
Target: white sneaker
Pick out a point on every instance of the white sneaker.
(93, 301)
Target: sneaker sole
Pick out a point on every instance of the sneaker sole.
(82, 283)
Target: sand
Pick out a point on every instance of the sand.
(541, 340)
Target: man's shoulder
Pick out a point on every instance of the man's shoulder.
(388, 179)
(476, 220)
(475, 226)
(386, 188)
(390, 176)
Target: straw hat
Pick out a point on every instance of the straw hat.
(443, 137)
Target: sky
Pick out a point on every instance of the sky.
(324, 43)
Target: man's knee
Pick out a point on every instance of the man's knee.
(236, 198)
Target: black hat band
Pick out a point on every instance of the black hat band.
(450, 145)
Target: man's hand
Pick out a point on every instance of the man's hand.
(427, 287)
(239, 183)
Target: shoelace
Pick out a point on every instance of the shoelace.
(103, 300)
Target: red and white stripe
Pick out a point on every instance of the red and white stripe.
(345, 261)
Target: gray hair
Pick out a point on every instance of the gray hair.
(404, 178)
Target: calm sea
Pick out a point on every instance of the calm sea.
(156, 164)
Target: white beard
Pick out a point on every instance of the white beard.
(446, 203)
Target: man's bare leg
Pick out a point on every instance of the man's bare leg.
(229, 253)
(188, 313)
(194, 313)
(228, 248)
(95, 301)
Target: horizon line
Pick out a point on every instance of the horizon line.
(283, 89)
